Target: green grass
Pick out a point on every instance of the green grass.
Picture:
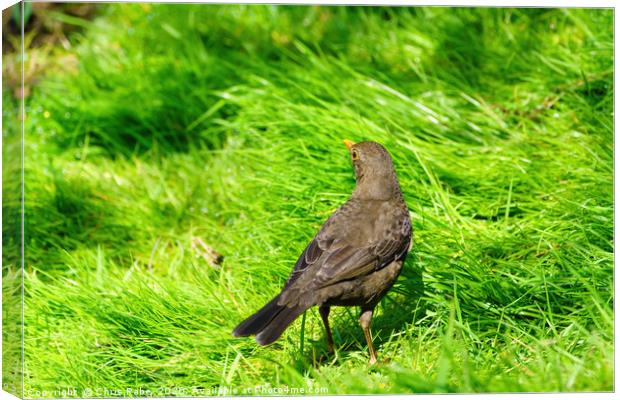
(223, 124)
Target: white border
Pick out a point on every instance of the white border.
(478, 3)
(469, 3)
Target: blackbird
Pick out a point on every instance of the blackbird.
(353, 260)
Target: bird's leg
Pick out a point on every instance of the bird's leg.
(365, 320)
(324, 311)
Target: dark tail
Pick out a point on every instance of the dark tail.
(269, 322)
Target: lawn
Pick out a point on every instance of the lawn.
(162, 136)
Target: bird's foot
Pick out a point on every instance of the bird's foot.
(373, 361)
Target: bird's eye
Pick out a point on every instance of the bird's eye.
(355, 155)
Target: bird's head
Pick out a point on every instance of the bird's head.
(374, 171)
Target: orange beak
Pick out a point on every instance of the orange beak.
(348, 143)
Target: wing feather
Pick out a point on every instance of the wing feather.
(331, 257)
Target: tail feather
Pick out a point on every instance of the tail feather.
(255, 323)
(269, 322)
(277, 325)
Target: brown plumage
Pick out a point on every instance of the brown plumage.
(353, 260)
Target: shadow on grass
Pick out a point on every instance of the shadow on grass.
(74, 213)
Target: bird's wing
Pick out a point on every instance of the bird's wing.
(315, 249)
(395, 241)
(353, 261)
(333, 256)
